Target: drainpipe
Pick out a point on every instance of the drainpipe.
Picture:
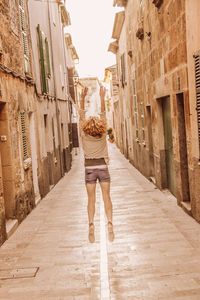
(55, 92)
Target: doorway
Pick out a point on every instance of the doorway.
(150, 137)
(168, 143)
(183, 148)
(34, 157)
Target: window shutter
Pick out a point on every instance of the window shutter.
(123, 78)
(24, 35)
(75, 141)
(197, 78)
(47, 58)
(42, 62)
(24, 138)
(54, 139)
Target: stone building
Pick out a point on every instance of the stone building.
(92, 99)
(160, 58)
(113, 115)
(35, 111)
(17, 110)
(53, 110)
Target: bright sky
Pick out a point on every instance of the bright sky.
(91, 30)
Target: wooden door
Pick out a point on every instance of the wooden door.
(167, 124)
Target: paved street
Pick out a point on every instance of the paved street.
(155, 254)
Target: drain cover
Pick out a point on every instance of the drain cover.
(18, 273)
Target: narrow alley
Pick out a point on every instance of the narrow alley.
(155, 254)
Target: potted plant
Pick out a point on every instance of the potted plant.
(111, 138)
(109, 131)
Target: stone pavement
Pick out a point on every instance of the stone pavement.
(155, 255)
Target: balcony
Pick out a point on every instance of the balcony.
(65, 16)
(120, 3)
(113, 47)
(118, 24)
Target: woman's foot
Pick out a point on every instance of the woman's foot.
(91, 236)
(111, 235)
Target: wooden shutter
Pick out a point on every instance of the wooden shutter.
(24, 35)
(71, 82)
(75, 135)
(197, 78)
(123, 74)
(70, 136)
(48, 66)
(24, 138)
(45, 87)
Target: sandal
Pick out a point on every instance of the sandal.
(111, 235)
(91, 236)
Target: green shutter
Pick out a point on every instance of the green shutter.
(47, 58)
(42, 62)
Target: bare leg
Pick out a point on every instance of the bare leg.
(105, 188)
(91, 191)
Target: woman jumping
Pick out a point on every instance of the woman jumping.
(94, 143)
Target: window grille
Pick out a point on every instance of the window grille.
(142, 121)
(24, 137)
(136, 117)
(197, 79)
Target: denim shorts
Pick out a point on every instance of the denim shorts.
(94, 174)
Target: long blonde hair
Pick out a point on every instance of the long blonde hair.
(94, 127)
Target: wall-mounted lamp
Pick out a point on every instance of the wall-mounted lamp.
(148, 35)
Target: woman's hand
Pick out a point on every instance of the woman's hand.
(102, 92)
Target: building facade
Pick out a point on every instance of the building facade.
(92, 99)
(17, 106)
(35, 109)
(162, 94)
(112, 102)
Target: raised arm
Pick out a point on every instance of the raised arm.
(82, 104)
(102, 93)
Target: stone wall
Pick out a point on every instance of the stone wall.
(159, 60)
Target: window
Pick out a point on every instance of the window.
(123, 70)
(45, 65)
(142, 121)
(24, 137)
(24, 35)
(197, 79)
